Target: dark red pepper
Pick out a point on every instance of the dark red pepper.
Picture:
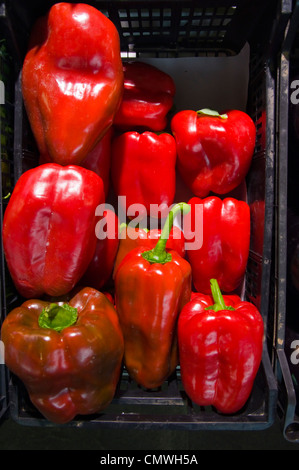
(147, 99)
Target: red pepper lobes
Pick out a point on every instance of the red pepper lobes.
(225, 242)
(214, 151)
(68, 355)
(143, 171)
(147, 99)
(220, 346)
(100, 268)
(151, 288)
(49, 228)
(72, 81)
(133, 237)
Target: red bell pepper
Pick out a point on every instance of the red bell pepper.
(72, 81)
(68, 355)
(147, 99)
(225, 243)
(220, 345)
(100, 268)
(151, 288)
(143, 172)
(49, 228)
(214, 151)
(133, 237)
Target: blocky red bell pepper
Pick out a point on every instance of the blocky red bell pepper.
(148, 97)
(214, 151)
(220, 345)
(143, 172)
(72, 80)
(49, 228)
(224, 252)
(151, 288)
(68, 355)
(99, 270)
(133, 237)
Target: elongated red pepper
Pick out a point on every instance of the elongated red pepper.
(220, 346)
(225, 243)
(143, 171)
(131, 238)
(151, 288)
(68, 355)
(72, 81)
(214, 151)
(147, 99)
(49, 228)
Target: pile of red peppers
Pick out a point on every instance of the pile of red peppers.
(141, 297)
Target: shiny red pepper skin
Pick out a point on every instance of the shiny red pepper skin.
(220, 351)
(49, 228)
(72, 81)
(213, 153)
(69, 372)
(143, 170)
(147, 99)
(225, 243)
(97, 160)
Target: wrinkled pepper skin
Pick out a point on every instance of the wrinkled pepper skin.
(49, 228)
(69, 372)
(149, 295)
(225, 243)
(133, 237)
(220, 350)
(143, 171)
(72, 81)
(214, 153)
(147, 99)
(100, 268)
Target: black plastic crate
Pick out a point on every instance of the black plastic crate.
(172, 30)
(287, 230)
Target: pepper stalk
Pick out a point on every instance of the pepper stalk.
(159, 254)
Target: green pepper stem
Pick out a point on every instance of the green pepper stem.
(211, 113)
(57, 317)
(159, 254)
(218, 298)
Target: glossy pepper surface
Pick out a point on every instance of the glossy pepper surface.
(147, 99)
(100, 268)
(72, 80)
(143, 172)
(49, 228)
(134, 237)
(224, 251)
(220, 346)
(214, 151)
(67, 355)
(151, 288)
